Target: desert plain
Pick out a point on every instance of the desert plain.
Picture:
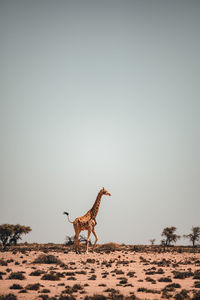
(112, 271)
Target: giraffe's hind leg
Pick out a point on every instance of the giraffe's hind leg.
(76, 241)
(96, 238)
(88, 239)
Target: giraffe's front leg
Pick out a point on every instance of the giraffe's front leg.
(96, 238)
(88, 239)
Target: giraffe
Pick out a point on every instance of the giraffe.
(88, 221)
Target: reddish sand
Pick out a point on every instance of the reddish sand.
(107, 268)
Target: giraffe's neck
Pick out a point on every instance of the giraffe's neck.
(95, 208)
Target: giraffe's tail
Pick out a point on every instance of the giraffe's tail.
(66, 213)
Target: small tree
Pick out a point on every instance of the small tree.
(10, 234)
(6, 230)
(194, 236)
(69, 240)
(82, 239)
(18, 230)
(170, 236)
(152, 241)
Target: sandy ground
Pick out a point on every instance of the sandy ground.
(110, 271)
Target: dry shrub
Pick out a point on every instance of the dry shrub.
(196, 274)
(61, 297)
(149, 279)
(182, 275)
(197, 284)
(74, 289)
(47, 259)
(81, 272)
(123, 280)
(23, 291)
(8, 297)
(102, 284)
(93, 277)
(44, 297)
(145, 290)
(50, 276)
(164, 279)
(150, 272)
(114, 294)
(95, 297)
(70, 273)
(131, 274)
(16, 275)
(171, 287)
(90, 261)
(45, 291)
(61, 275)
(33, 287)
(77, 287)
(196, 295)
(109, 246)
(3, 262)
(71, 278)
(36, 273)
(117, 271)
(16, 286)
(131, 297)
(182, 295)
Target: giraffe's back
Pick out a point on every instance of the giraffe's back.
(84, 222)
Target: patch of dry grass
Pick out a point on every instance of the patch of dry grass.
(47, 259)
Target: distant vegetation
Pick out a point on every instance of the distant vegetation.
(171, 237)
(70, 240)
(152, 241)
(194, 236)
(10, 234)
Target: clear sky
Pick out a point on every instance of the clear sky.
(100, 93)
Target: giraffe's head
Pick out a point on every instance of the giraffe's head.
(104, 192)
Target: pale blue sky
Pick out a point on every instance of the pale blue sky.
(100, 93)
